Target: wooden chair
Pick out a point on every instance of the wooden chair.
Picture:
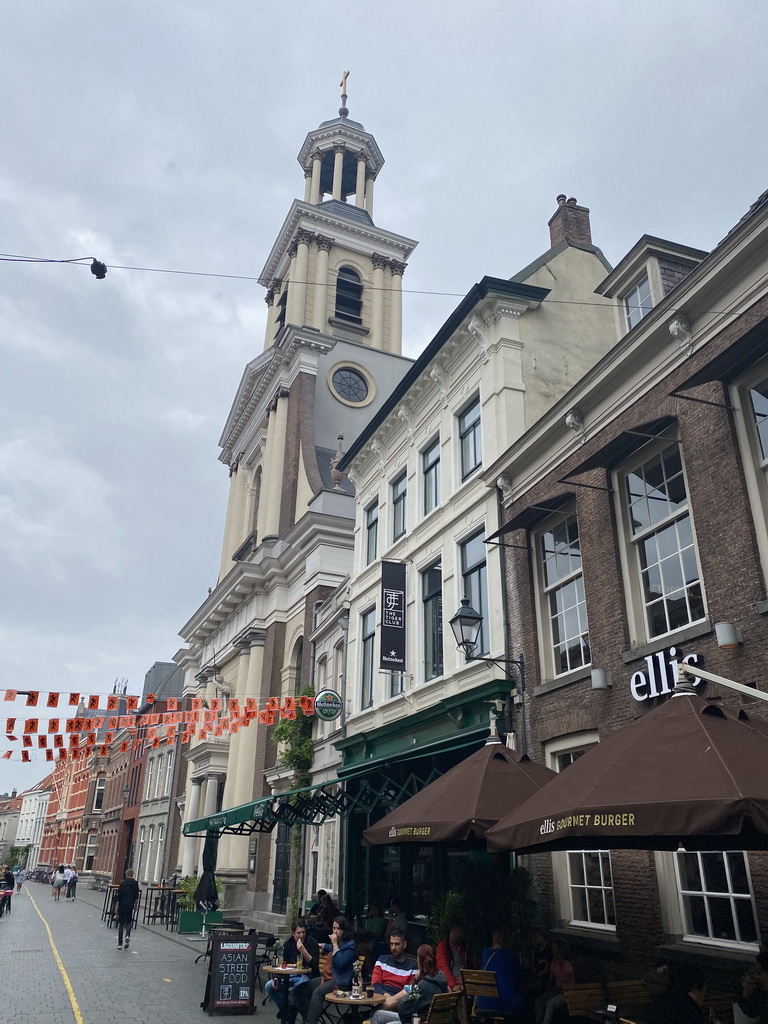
(483, 983)
(632, 995)
(443, 1009)
(584, 998)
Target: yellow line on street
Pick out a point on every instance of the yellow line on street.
(65, 977)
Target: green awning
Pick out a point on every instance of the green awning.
(310, 805)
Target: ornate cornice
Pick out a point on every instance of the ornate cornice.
(397, 268)
(440, 376)
(379, 262)
(293, 248)
(324, 242)
(405, 413)
(478, 332)
(304, 237)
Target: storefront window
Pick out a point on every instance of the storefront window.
(715, 892)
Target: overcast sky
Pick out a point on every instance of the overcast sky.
(165, 135)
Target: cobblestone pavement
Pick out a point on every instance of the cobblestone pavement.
(156, 981)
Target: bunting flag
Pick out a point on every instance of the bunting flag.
(7, 753)
(93, 703)
(172, 704)
(10, 695)
(32, 698)
(53, 700)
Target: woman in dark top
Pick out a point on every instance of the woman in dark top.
(505, 963)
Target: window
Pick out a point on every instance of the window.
(371, 532)
(160, 852)
(159, 780)
(396, 683)
(399, 495)
(474, 576)
(367, 636)
(148, 792)
(349, 296)
(662, 535)
(256, 501)
(716, 897)
(637, 303)
(432, 598)
(470, 439)
(298, 660)
(168, 774)
(142, 841)
(151, 853)
(430, 461)
(758, 398)
(350, 385)
(90, 851)
(591, 885)
(565, 608)
(98, 796)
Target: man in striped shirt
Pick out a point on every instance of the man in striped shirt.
(396, 969)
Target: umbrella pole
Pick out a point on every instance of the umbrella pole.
(694, 672)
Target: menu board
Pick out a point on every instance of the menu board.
(231, 975)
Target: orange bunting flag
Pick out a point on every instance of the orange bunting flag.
(53, 700)
(186, 737)
(202, 735)
(74, 740)
(80, 724)
(196, 703)
(249, 716)
(63, 754)
(289, 703)
(273, 704)
(127, 721)
(155, 744)
(152, 719)
(224, 723)
(109, 736)
(26, 741)
(112, 723)
(74, 754)
(152, 732)
(97, 722)
(287, 712)
(307, 704)
(10, 724)
(74, 699)
(124, 746)
(7, 754)
(58, 740)
(113, 702)
(90, 739)
(262, 717)
(103, 750)
(9, 737)
(42, 742)
(93, 702)
(49, 755)
(30, 725)
(172, 704)
(216, 704)
(234, 705)
(137, 744)
(25, 755)
(70, 725)
(131, 703)
(218, 731)
(32, 698)
(251, 704)
(10, 695)
(151, 698)
(53, 725)
(190, 717)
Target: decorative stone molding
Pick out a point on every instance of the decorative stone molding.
(379, 262)
(339, 147)
(269, 298)
(304, 237)
(439, 375)
(353, 477)
(316, 154)
(323, 242)
(575, 422)
(293, 248)
(336, 474)
(406, 414)
(478, 332)
(397, 268)
(379, 452)
(680, 329)
(504, 484)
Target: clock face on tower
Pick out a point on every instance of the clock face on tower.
(351, 385)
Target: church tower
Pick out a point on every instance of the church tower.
(332, 355)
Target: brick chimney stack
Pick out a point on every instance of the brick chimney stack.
(570, 221)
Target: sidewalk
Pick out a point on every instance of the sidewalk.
(156, 981)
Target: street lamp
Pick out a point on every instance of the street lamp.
(126, 794)
(466, 625)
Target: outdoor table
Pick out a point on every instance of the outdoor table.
(350, 1008)
(285, 972)
(109, 913)
(157, 905)
(171, 915)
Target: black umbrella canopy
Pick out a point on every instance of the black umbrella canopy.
(206, 894)
(686, 774)
(465, 801)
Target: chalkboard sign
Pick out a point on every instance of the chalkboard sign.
(231, 975)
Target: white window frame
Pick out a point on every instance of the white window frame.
(561, 868)
(399, 500)
(91, 848)
(425, 614)
(547, 591)
(160, 853)
(371, 534)
(630, 553)
(479, 597)
(470, 438)
(430, 492)
(754, 462)
(101, 785)
(148, 794)
(367, 658)
(707, 896)
(632, 302)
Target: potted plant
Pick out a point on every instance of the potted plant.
(190, 916)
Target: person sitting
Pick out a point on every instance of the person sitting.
(753, 1002)
(683, 1001)
(560, 977)
(316, 907)
(452, 955)
(397, 919)
(322, 922)
(541, 958)
(299, 944)
(505, 963)
(394, 970)
(339, 969)
(375, 922)
(415, 997)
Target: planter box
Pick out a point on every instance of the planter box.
(191, 921)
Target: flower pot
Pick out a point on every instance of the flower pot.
(191, 921)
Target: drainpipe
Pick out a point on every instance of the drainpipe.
(344, 625)
(505, 614)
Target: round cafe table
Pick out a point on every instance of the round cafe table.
(285, 972)
(351, 1009)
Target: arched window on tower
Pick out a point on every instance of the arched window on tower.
(349, 296)
(298, 662)
(256, 501)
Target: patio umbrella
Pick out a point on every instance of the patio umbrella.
(206, 895)
(465, 801)
(686, 774)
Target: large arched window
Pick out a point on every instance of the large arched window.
(298, 660)
(349, 296)
(256, 499)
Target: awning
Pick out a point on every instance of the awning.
(311, 805)
(733, 361)
(622, 446)
(532, 515)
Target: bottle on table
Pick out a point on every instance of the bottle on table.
(415, 1019)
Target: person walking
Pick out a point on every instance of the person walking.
(72, 882)
(6, 885)
(20, 876)
(127, 894)
(58, 881)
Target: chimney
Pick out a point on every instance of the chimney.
(13, 794)
(569, 222)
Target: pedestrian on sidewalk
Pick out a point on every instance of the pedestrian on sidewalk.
(58, 881)
(6, 890)
(72, 882)
(20, 876)
(127, 894)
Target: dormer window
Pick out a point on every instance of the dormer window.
(637, 303)
(349, 296)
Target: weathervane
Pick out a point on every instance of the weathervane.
(343, 111)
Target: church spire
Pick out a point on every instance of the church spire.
(343, 111)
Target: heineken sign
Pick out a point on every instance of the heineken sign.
(328, 705)
(392, 648)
